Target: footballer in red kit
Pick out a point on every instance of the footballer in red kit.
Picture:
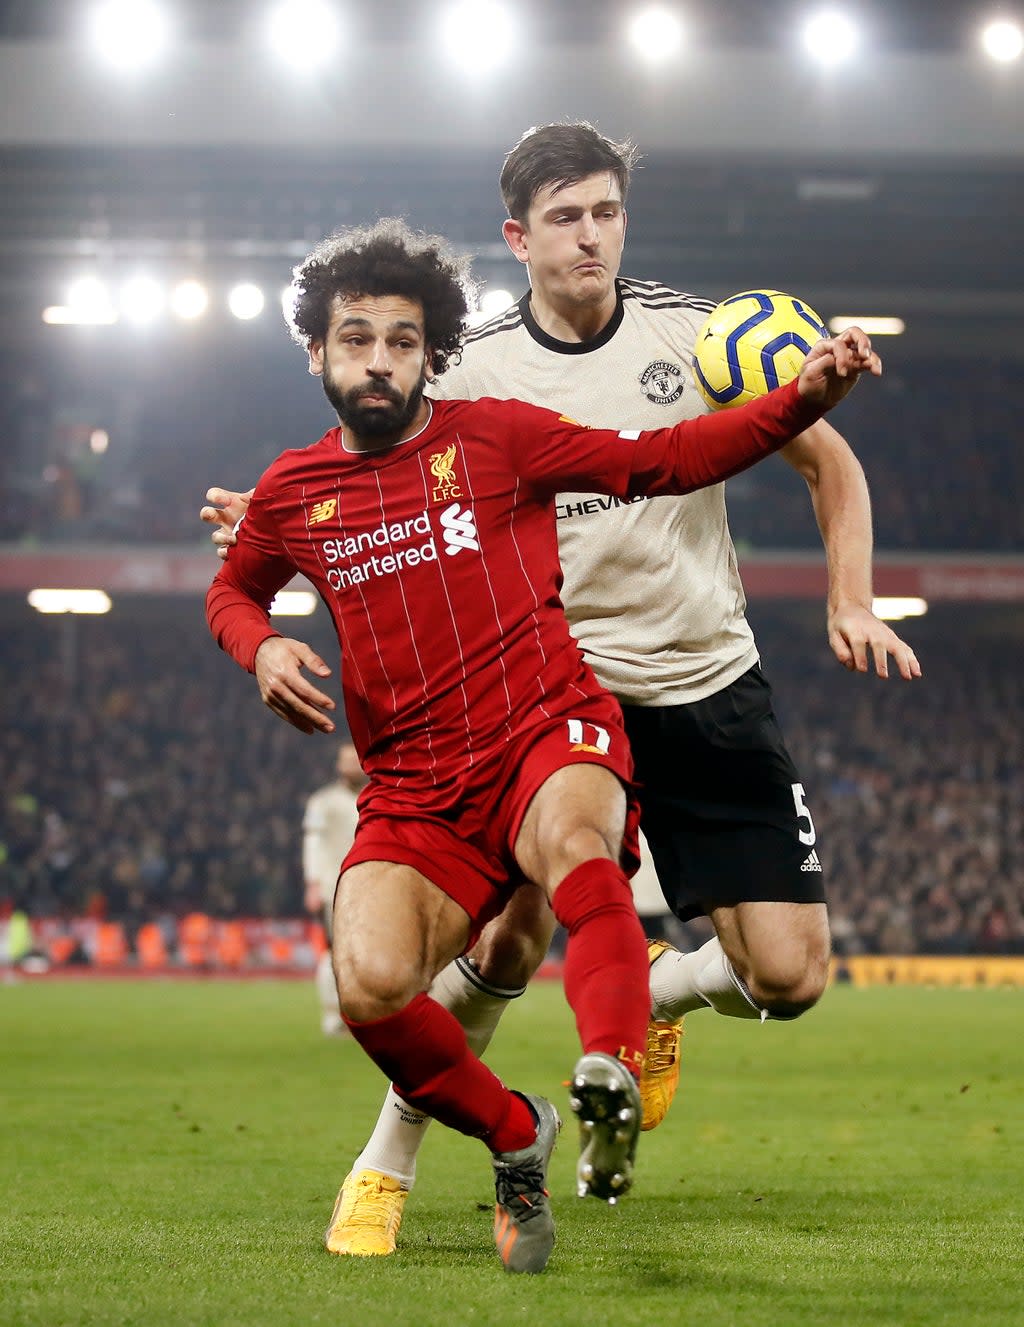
(438, 561)
(493, 754)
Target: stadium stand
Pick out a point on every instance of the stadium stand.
(155, 786)
(944, 458)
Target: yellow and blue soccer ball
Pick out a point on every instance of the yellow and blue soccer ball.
(752, 343)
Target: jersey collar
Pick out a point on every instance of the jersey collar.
(383, 451)
(572, 347)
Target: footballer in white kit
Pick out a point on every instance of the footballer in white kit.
(654, 598)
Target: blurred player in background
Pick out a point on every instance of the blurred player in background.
(654, 598)
(328, 828)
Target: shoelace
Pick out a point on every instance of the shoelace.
(522, 1184)
(370, 1197)
(664, 1053)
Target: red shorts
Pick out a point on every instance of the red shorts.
(468, 852)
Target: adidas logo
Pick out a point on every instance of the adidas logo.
(812, 863)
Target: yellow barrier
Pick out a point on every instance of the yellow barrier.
(926, 970)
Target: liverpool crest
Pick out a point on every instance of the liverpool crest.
(442, 467)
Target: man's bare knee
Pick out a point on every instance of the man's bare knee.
(788, 989)
(780, 951)
(513, 946)
(570, 844)
(371, 986)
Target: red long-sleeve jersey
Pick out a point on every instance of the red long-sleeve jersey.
(437, 560)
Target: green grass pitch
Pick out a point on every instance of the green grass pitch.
(170, 1154)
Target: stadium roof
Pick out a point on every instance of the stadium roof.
(895, 186)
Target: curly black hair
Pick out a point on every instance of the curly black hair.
(387, 258)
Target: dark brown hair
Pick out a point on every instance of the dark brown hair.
(551, 156)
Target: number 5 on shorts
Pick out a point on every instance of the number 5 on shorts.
(807, 835)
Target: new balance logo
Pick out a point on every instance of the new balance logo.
(812, 863)
(323, 511)
(459, 530)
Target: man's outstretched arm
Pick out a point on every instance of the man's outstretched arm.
(839, 493)
(557, 455)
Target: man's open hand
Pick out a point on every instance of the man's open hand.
(278, 668)
(224, 511)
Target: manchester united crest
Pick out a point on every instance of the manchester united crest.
(662, 382)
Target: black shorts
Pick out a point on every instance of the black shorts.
(721, 802)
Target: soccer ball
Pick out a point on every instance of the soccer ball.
(750, 344)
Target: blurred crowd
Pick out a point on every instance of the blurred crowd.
(943, 455)
(917, 789)
(140, 777)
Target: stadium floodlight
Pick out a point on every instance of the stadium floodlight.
(830, 37)
(63, 315)
(303, 33)
(492, 302)
(288, 297)
(128, 34)
(88, 292)
(495, 301)
(245, 300)
(870, 323)
(141, 300)
(894, 608)
(189, 299)
(293, 603)
(88, 303)
(479, 35)
(1002, 40)
(655, 34)
(69, 601)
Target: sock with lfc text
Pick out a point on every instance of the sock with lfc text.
(605, 971)
(424, 1051)
(393, 1146)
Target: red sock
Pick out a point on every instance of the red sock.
(606, 969)
(423, 1049)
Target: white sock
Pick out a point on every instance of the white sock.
(681, 983)
(400, 1128)
(331, 1021)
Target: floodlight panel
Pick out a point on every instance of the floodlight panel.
(129, 34)
(894, 608)
(1002, 41)
(655, 33)
(830, 37)
(69, 601)
(478, 34)
(303, 33)
(189, 299)
(873, 324)
(141, 299)
(246, 301)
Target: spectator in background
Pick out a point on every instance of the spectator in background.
(920, 795)
(328, 828)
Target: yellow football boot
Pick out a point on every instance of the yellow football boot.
(366, 1216)
(659, 1076)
